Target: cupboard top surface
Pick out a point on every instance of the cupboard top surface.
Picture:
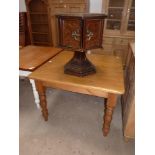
(82, 15)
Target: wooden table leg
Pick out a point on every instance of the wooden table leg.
(109, 107)
(42, 97)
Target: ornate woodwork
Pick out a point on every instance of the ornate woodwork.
(80, 32)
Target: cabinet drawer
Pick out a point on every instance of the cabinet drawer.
(76, 8)
(121, 41)
(66, 1)
(121, 51)
(59, 1)
(108, 40)
(108, 47)
(57, 8)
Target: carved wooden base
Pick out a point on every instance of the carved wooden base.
(79, 65)
(108, 112)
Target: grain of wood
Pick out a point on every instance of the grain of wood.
(108, 79)
(31, 57)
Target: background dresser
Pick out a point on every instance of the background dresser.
(128, 99)
(39, 22)
(42, 22)
(119, 26)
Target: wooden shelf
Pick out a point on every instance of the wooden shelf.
(39, 23)
(38, 13)
(131, 20)
(40, 42)
(40, 33)
(119, 20)
(115, 7)
(39, 26)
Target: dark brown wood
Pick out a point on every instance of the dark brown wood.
(96, 27)
(24, 36)
(108, 112)
(42, 97)
(65, 6)
(79, 65)
(22, 29)
(68, 28)
(80, 32)
(39, 23)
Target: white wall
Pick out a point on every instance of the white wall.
(95, 6)
(22, 6)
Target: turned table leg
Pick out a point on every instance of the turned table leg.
(109, 107)
(42, 97)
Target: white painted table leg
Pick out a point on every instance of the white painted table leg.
(23, 73)
(35, 93)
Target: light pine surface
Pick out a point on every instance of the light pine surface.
(31, 57)
(107, 82)
(108, 79)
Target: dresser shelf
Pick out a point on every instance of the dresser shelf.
(39, 33)
(39, 23)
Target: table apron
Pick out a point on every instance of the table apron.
(72, 88)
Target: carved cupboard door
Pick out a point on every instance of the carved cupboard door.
(93, 33)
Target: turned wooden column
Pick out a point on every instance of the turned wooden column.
(108, 112)
(42, 97)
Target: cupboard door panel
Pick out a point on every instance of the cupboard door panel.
(71, 33)
(93, 33)
(108, 40)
